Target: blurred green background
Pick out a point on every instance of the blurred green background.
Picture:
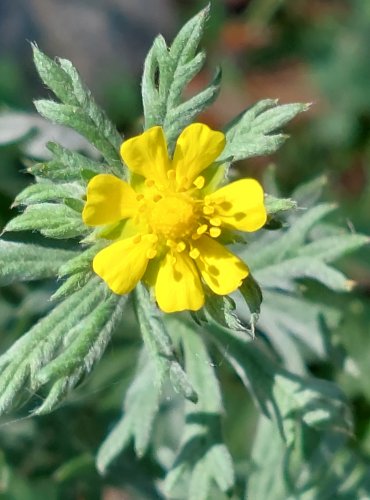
(294, 50)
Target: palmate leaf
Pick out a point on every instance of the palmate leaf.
(61, 347)
(319, 467)
(278, 261)
(167, 72)
(140, 408)
(53, 220)
(298, 328)
(48, 191)
(78, 109)
(203, 459)
(24, 262)
(72, 284)
(253, 133)
(66, 165)
(159, 345)
(289, 400)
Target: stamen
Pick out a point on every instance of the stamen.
(170, 243)
(199, 182)
(215, 221)
(151, 253)
(152, 238)
(202, 229)
(171, 174)
(157, 197)
(194, 253)
(139, 197)
(180, 247)
(182, 183)
(149, 183)
(208, 210)
(215, 232)
(137, 238)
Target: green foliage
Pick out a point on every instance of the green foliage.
(48, 191)
(318, 467)
(268, 333)
(78, 109)
(251, 134)
(159, 345)
(66, 166)
(140, 408)
(176, 67)
(202, 458)
(61, 347)
(51, 219)
(286, 258)
(288, 399)
(23, 261)
(275, 205)
(221, 311)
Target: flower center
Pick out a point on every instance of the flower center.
(173, 217)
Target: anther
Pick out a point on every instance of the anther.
(137, 238)
(151, 253)
(202, 229)
(171, 174)
(215, 232)
(170, 243)
(152, 238)
(149, 183)
(139, 197)
(215, 221)
(194, 253)
(199, 182)
(207, 210)
(157, 197)
(183, 182)
(180, 247)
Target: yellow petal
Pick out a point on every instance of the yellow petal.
(146, 155)
(178, 286)
(197, 147)
(221, 270)
(122, 264)
(109, 200)
(239, 205)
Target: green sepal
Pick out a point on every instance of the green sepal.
(252, 294)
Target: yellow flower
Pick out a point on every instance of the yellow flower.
(170, 217)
